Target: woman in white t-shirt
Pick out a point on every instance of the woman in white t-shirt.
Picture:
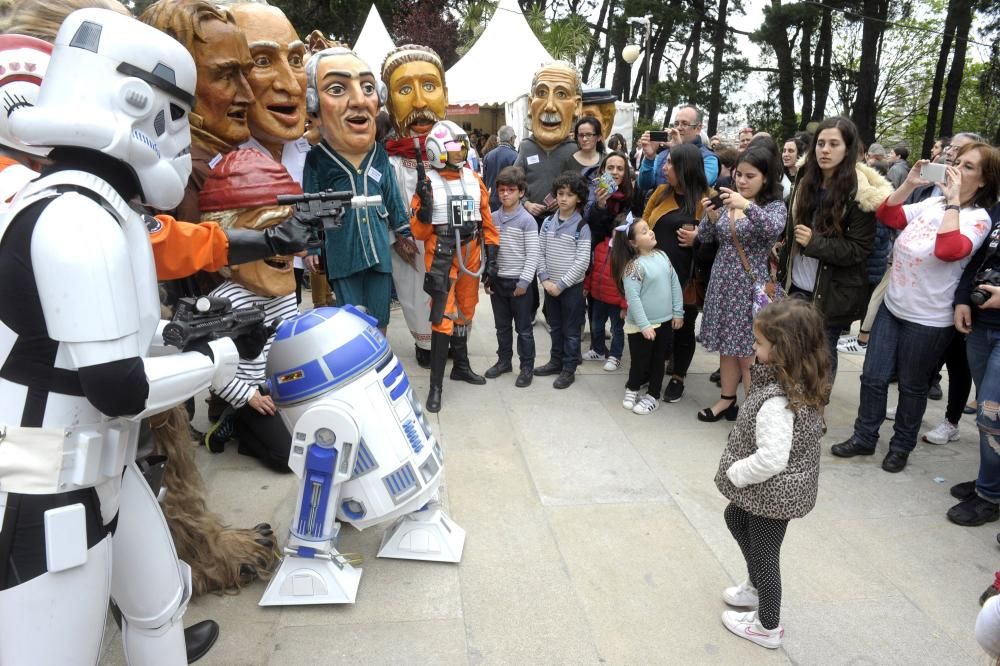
(915, 323)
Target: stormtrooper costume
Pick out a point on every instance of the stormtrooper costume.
(79, 315)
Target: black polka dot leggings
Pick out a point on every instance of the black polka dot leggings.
(760, 540)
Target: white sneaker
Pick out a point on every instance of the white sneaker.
(850, 345)
(890, 413)
(745, 625)
(743, 595)
(612, 364)
(591, 355)
(942, 433)
(628, 402)
(646, 404)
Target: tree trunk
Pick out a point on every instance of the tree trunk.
(592, 49)
(963, 21)
(606, 54)
(864, 113)
(821, 65)
(775, 33)
(807, 71)
(718, 51)
(699, 16)
(930, 130)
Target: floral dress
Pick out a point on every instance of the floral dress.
(727, 318)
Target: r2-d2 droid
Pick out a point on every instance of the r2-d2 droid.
(363, 450)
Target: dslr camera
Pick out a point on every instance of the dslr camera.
(988, 276)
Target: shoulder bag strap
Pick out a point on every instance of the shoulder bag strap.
(739, 249)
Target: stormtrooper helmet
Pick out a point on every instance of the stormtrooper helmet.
(121, 87)
(444, 137)
(23, 61)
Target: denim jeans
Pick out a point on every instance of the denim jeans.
(602, 312)
(565, 314)
(912, 352)
(506, 308)
(983, 349)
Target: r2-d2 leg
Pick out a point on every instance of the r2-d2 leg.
(324, 448)
(426, 534)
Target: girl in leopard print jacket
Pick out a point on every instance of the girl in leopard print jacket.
(769, 470)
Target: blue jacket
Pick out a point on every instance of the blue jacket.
(878, 260)
(651, 171)
(495, 161)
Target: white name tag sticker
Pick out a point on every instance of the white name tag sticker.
(532, 159)
(375, 174)
(302, 145)
(215, 160)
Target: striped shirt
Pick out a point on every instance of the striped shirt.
(518, 256)
(565, 250)
(251, 372)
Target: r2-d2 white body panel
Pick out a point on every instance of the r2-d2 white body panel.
(363, 449)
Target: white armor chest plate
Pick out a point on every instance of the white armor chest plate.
(446, 191)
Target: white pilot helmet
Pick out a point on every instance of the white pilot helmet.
(23, 61)
(445, 136)
(121, 87)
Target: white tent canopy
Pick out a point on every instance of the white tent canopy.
(499, 66)
(374, 42)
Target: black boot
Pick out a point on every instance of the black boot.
(198, 638)
(460, 368)
(423, 357)
(439, 357)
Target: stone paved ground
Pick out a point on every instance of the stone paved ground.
(596, 536)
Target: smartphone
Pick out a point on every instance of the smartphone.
(935, 173)
(662, 137)
(717, 202)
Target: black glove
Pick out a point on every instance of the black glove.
(250, 344)
(246, 245)
(492, 265)
(425, 194)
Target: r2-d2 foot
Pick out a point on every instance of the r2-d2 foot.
(363, 449)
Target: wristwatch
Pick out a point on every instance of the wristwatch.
(953, 207)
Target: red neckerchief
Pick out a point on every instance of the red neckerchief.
(616, 202)
(404, 147)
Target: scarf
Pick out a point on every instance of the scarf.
(404, 147)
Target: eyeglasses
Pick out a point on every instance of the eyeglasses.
(508, 190)
(680, 124)
(585, 135)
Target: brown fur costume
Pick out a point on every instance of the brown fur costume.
(221, 558)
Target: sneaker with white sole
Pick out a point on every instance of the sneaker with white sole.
(591, 355)
(612, 364)
(743, 595)
(628, 402)
(851, 345)
(746, 625)
(646, 404)
(942, 433)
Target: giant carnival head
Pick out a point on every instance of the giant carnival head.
(241, 192)
(418, 96)
(278, 76)
(343, 99)
(554, 102)
(119, 87)
(600, 103)
(210, 34)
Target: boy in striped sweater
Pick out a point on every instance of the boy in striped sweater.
(518, 261)
(564, 242)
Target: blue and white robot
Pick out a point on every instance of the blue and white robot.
(363, 450)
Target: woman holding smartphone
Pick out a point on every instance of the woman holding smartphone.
(672, 213)
(751, 220)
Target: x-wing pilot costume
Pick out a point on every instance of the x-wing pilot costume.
(79, 315)
(451, 214)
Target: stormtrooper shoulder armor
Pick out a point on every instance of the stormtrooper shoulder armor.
(84, 275)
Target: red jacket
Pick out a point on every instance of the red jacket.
(599, 281)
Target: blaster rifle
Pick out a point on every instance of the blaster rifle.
(209, 318)
(325, 210)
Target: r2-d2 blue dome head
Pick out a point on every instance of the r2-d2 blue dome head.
(318, 351)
